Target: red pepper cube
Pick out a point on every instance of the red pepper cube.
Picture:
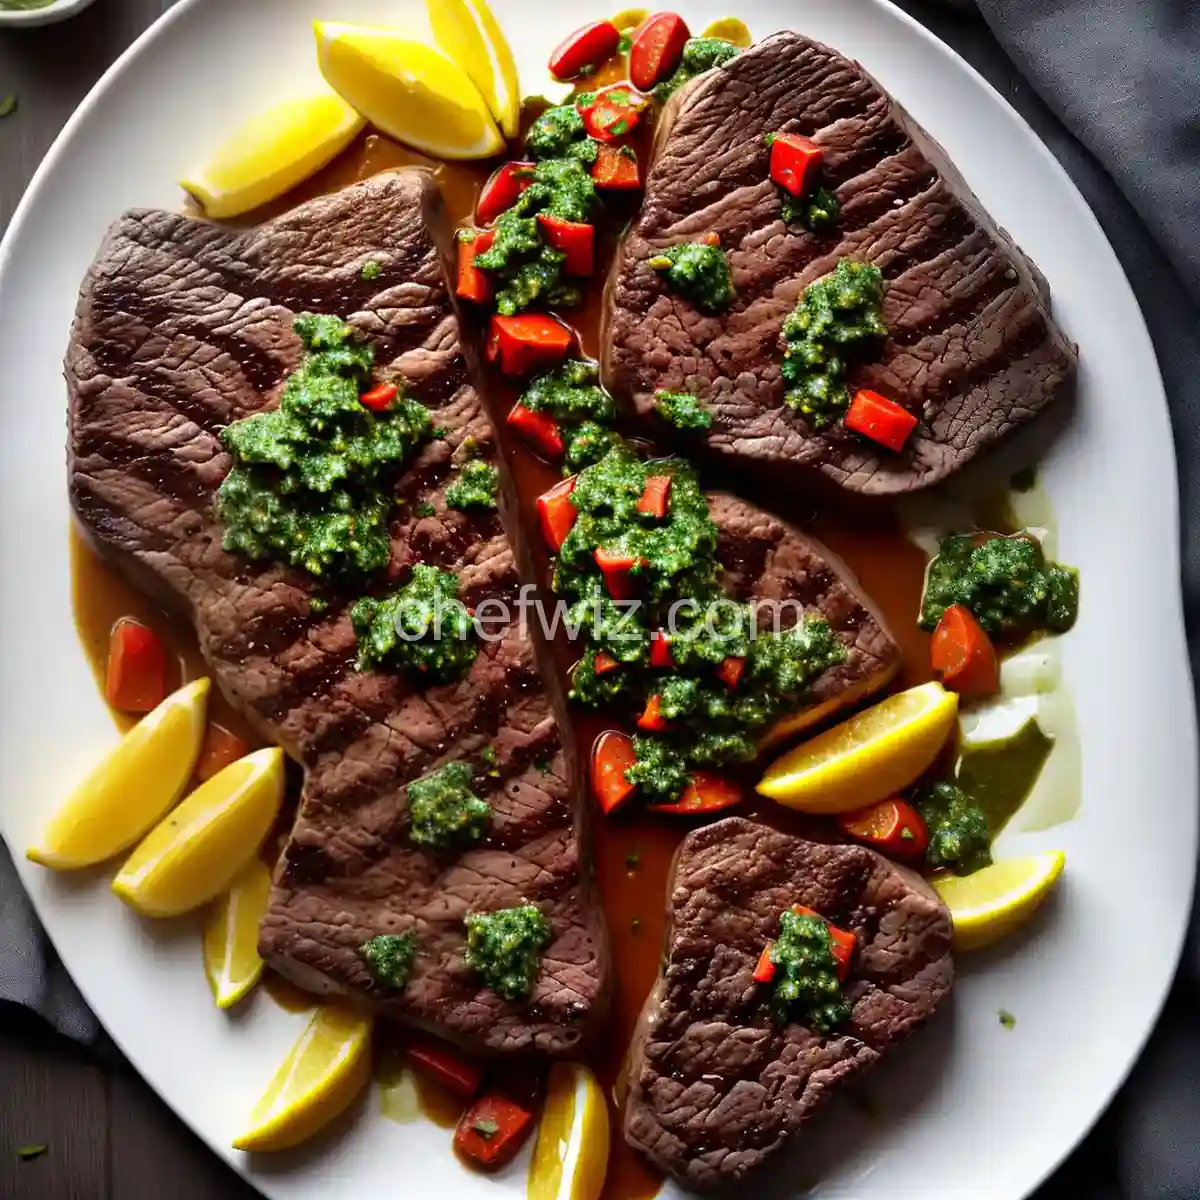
(136, 672)
(503, 190)
(472, 283)
(539, 429)
(584, 50)
(575, 239)
(880, 419)
(612, 755)
(603, 663)
(795, 162)
(557, 511)
(730, 671)
(458, 1075)
(660, 650)
(526, 343)
(616, 169)
(492, 1131)
(656, 496)
(617, 570)
(765, 971)
(613, 114)
(379, 399)
(656, 49)
(705, 793)
(652, 720)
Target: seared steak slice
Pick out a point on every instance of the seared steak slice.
(971, 350)
(716, 1086)
(184, 326)
(768, 562)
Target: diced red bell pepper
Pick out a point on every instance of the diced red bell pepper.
(660, 650)
(458, 1075)
(135, 677)
(730, 671)
(704, 794)
(652, 720)
(613, 114)
(526, 343)
(616, 568)
(557, 512)
(539, 429)
(880, 419)
(616, 168)
(892, 827)
(656, 49)
(963, 655)
(472, 283)
(583, 51)
(575, 239)
(503, 190)
(842, 940)
(491, 1131)
(612, 755)
(379, 399)
(765, 971)
(795, 162)
(604, 662)
(656, 496)
(217, 751)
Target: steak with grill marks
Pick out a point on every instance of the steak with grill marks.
(971, 348)
(717, 1087)
(184, 326)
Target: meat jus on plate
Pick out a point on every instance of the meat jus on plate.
(184, 326)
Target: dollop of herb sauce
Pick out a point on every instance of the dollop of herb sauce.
(959, 838)
(699, 272)
(309, 485)
(699, 55)
(836, 314)
(423, 627)
(505, 948)
(807, 988)
(1006, 582)
(816, 211)
(389, 957)
(443, 810)
(683, 410)
(475, 487)
(572, 395)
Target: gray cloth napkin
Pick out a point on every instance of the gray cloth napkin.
(1113, 88)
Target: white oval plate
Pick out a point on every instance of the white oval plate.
(967, 1108)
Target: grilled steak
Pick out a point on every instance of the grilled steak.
(770, 563)
(971, 348)
(716, 1086)
(184, 326)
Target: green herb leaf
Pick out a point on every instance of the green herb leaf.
(1007, 1019)
(486, 1129)
(29, 1153)
(632, 859)
(8, 106)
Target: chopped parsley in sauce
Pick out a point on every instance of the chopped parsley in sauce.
(310, 481)
(697, 271)
(423, 627)
(389, 957)
(505, 948)
(443, 810)
(836, 314)
(683, 410)
(699, 55)
(807, 988)
(475, 487)
(817, 211)
(572, 395)
(371, 270)
(959, 838)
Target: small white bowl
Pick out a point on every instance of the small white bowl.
(60, 10)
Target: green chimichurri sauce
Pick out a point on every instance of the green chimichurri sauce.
(699, 272)
(1005, 582)
(572, 395)
(476, 486)
(423, 627)
(699, 55)
(443, 810)
(959, 837)
(683, 410)
(816, 211)
(999, 777)
(389, 957)
(310, 482)
(807, 988)
(836, 314)
(505, 948)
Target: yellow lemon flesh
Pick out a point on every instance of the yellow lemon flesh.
(570, 1159)
(231, 960)
(195, 852)
(272, 152)
(319, 1080)
(865, 759)
(729, 29)
(628, 19)
(996, 900)
(467, 32)
(407, 90)
(131, 787)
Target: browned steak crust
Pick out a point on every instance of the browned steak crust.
(716, 1086)
(971, 350)
(184, 326)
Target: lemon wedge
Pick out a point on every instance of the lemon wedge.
(729, 29)
(467, 32)
(628, 19)
(996, 900)
(319, 1079)
(194, 853)
(875, 753)
(570, 1159)
(271, 153)
(131, 787)
(408, 90)
(231, 960)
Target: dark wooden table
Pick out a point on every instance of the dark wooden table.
(108, 1135)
